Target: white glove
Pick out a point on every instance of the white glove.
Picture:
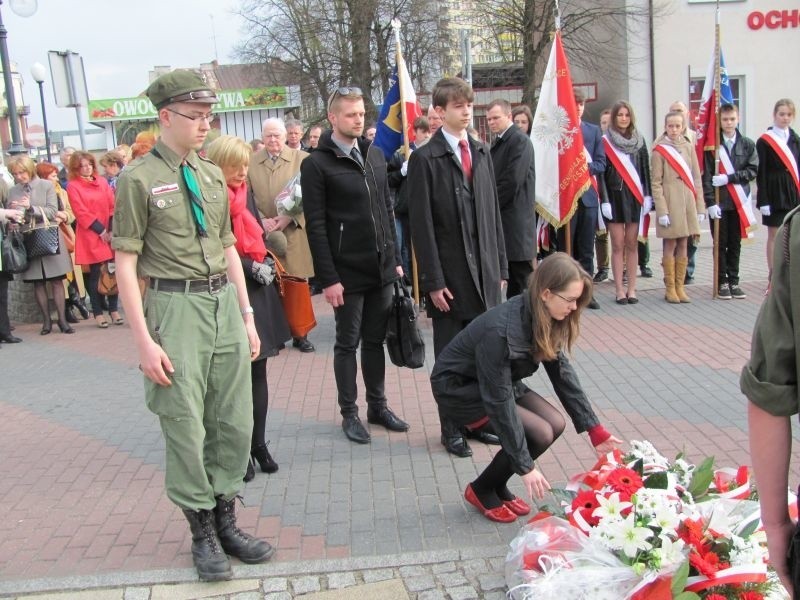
(714, 212)
(262, 273)
(605, 208)
(663, 221)
(719, 180)
(647, 206)
(404, 169)
(765, 210)
(701, 217)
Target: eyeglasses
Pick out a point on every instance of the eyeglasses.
(567, 300)
(207, 117)
(344, 91)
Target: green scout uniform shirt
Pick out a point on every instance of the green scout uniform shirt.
(769, 379)
(153, 217)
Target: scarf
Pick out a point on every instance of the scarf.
(249, 235)
(627, 145)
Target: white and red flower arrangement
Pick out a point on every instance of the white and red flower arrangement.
(641, 527)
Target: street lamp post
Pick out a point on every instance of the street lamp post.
(16, 146)
(39, 72)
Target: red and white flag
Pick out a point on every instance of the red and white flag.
(562, 173)
(707, 126)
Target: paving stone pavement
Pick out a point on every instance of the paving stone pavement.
(82, 458)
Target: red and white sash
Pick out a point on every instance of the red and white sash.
(741, 200)
(624, 166)
(781, 148)
(678, 163)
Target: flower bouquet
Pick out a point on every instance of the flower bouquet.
(289, 201)
(641, 527)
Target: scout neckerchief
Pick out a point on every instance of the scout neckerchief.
(781, 148)
(678, 164)
(741, 201)
(195, 195)
(630, 176)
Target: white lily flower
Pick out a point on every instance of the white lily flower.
(610, 508)
(630, 537)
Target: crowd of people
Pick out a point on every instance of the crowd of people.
(176, 221)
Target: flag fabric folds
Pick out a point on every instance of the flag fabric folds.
(562, 173)
(389, 130)
(707, 125)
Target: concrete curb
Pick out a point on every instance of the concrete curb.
(303, 567)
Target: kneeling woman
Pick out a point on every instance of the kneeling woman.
(476, 379)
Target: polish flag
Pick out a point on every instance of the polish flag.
(562, 173)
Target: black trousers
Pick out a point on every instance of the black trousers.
(730, 247)
(5, 325)
(444, 330)
(583, 226)
(518, 273)
(362, 317)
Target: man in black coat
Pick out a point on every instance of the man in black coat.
(455, 227)
(515, 176)
(350, 227)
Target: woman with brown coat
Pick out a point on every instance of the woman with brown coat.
(271, 168)
(678, 198)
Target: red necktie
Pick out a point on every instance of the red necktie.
(466, 161)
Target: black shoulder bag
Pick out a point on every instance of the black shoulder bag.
(403, 339)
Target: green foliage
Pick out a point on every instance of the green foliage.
(657, 481)
(702, 477)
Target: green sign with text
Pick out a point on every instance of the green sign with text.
(140, 108)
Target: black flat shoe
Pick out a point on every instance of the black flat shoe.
(261, 455)
(10, 339)
(387, 418)
(46, 329)
(303, 344)
(354, 430)
(633, 300)
(65, 328)
(457, 445)
(593, 304)
(622, 300)
(482, 436)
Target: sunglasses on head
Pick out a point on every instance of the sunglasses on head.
(344, 91)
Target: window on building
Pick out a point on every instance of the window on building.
(696, 94)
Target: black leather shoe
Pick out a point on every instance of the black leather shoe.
(482, 436)
(457, 445)
(303, 344)
(10, 339)
(354, 430)
(601, 276)
(593, 304)
(646, 271)
(387, 418)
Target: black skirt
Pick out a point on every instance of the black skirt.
(271, 324)
(775, 218)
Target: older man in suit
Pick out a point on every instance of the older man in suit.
(515, 177)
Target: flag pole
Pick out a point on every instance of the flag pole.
(717, 92)
(399, 62)
(567, 226)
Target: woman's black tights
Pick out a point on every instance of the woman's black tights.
(258, 375)
(543, 424)
(40, 293)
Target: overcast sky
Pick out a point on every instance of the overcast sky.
(119, 42)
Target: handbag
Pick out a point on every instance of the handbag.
(107, 284)
(296, 299)
(42, 240)
(69, 235)
(14, 255)
(403, 338)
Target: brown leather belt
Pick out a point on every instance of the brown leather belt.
(212, 285)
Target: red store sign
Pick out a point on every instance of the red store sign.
(774, 19)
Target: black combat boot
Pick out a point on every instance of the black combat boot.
(209, 559)
(235, 541)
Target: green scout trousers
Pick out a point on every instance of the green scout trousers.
(207, 413)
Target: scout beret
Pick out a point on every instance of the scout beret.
(179, 85)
